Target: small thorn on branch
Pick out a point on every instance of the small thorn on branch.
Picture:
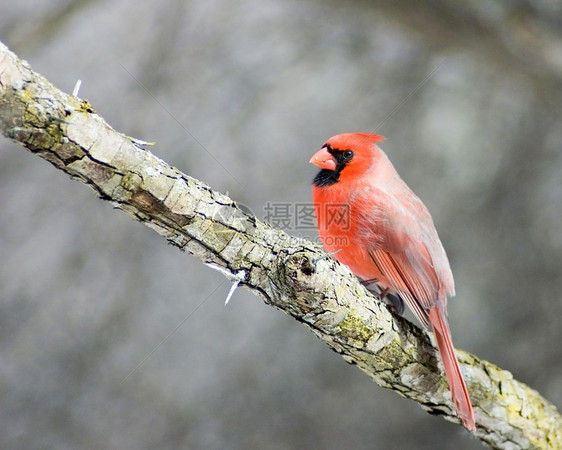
(76, 88)
(236, 277)
(235, 284)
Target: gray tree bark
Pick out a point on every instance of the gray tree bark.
(288, 273)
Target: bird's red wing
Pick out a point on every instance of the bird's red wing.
(404, 284)
(400, 251)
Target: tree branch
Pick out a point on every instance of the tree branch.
(291, 274)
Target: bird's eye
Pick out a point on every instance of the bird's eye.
(347, 155)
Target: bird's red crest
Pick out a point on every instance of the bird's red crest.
(354, 141)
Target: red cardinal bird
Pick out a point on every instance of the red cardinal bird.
(382, 231)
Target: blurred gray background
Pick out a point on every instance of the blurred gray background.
(468, 95)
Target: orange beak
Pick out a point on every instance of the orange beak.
(323, 159)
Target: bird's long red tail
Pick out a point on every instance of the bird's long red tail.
(459, 392)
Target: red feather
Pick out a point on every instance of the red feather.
(383, 231)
